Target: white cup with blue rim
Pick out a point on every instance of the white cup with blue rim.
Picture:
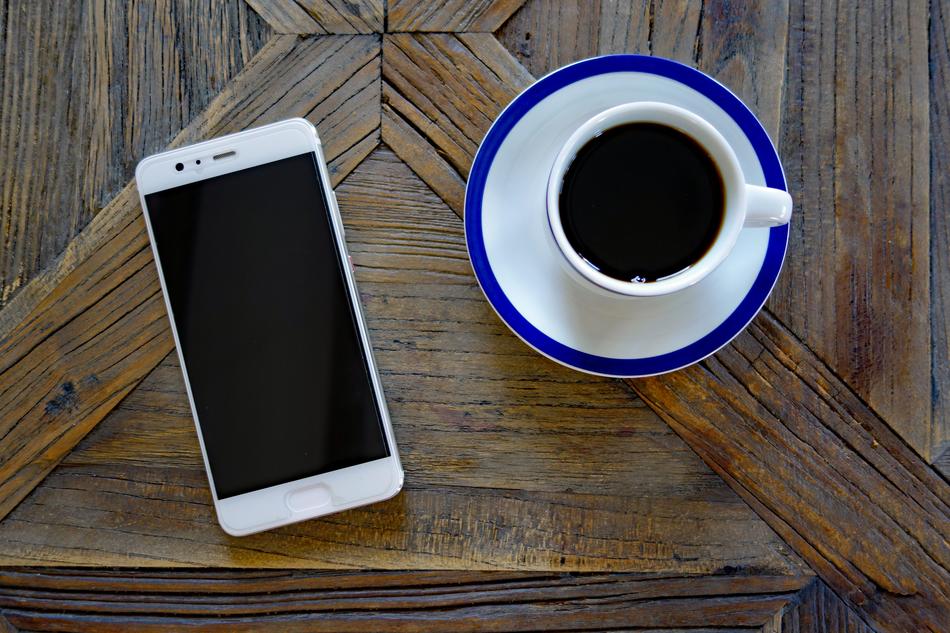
(744, 205)
(555, 302)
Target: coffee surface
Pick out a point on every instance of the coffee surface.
(641, 202)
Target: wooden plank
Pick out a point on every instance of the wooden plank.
(308, 77)
(161, 516)
(942, 465)
(940, 230)
(512, 461)
(442, 93)
(816, 609)
(317, 17)
(741, 45)
(93, 338)
(393, 601)
(84, 91)
(822, 469)
(347, 16)
(744, 47)
(547, 34)
(287, 17)
(419, 154)
(855, 287)
(675, 30)
(481, 16)
(95, 324)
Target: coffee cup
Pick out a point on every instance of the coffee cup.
(646, 199)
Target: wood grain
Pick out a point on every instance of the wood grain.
(822, 469)
(347, 16)
(940, 230)
(97, 324)
(90, 341)
(333, 81)
(816, 609)
(415, 150)
(441, 93)
(287, 17)
(84, 93)
(547, 34)
(479, 16)
(942, 465)
(855, 286)
(743, 45)
(619, 491)
(160, 516)
(321, 17)
(478, 417)
(395, 601)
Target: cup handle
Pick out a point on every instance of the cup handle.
(766, 206)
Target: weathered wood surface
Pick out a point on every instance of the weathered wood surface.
(96, 324)
(744, 46)
(81, 600)
(81, 102)
(741, 44)
(854, 143)
(322, 17)
(477, 416)
(816, 609)
(940, 230)
(440, 95)
(481, 16)
(547, 35)
(856, 282)
(828, 474)
(79, 353)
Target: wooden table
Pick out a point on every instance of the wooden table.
(790, 483)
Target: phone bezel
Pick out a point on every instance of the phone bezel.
(345, 488)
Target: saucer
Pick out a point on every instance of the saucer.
(524, 276)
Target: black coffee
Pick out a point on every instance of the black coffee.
(642, 202)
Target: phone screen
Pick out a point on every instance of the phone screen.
(269, 336)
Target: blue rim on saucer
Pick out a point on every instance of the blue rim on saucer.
(544, 87)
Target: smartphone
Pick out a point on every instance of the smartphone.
(271, 337)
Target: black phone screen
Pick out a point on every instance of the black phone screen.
(268, 333)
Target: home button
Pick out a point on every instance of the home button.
(309, 498)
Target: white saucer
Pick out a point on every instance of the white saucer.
(520, 270)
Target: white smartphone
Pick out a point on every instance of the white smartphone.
(273, 345)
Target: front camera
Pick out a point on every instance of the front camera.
(179, 166)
